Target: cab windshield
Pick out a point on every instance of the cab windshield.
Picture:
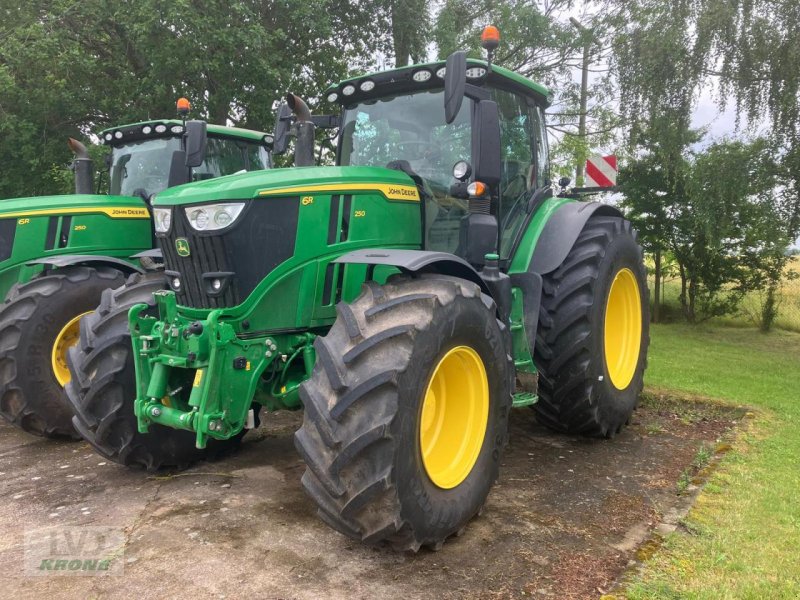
(411, 128)
(142, 168)
(407, 128)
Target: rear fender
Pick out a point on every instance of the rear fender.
(561, 231)
(555, 241)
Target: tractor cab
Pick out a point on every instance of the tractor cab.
(143, 162)
(467, 132)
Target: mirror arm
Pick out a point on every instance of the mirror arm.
(326, 121)
(476, 93)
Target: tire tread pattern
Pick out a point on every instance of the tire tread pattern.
(568, 400)
(103, 383)
(351, 401)
(22, 301)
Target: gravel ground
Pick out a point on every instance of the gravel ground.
(564, 521)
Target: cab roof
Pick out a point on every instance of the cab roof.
(172, 127)
(413, 77)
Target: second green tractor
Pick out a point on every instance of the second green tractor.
(58, 253)
(405, 299)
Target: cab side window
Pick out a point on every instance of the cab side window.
(542, 171)
(517, 147)
(521, 131)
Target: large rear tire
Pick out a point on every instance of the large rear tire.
(591, 345)
(406, 412)
(38, 324)
(103, 388)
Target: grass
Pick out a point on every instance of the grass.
(742, 538)
(699, 462)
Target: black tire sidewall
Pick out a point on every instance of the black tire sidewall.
(427, 507)
(33, 359)
(40, 332)
(614, 405)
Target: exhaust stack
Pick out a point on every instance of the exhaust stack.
(82, 166)
(304, 144)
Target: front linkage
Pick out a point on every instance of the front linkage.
(180, 365)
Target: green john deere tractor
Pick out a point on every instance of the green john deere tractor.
(58, 253)
(406, 299)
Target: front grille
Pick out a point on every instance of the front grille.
(262, 237)
(8, 229)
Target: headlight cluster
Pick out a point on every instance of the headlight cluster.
(149, 129)
(211, 217)
(420, 75)
(163, 219)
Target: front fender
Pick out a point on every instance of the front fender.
(69, 260)
(417, 261)
(154, 253)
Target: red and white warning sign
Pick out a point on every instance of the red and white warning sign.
(601, 171)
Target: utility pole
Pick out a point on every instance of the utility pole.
(587, 34)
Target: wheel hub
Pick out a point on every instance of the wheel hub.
(623, 328)
(66, 338)
(454, 415)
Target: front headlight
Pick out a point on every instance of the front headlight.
(163, 219)
(211, 217)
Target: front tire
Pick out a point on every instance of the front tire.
(591, 345)
(406, 412)
(103, 388)
(38, 324)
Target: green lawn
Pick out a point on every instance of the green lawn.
(742, 539)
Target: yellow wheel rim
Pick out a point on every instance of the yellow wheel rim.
(623, 328)
(453, 419)
(66, 339)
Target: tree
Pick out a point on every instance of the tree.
(410, 19)
(71, 68)
(654, 182)
(665, 53)
(717, 212)
(535, 41)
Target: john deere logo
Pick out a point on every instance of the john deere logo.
(182, 246)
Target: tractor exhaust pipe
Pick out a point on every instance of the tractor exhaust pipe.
(304, 143)
(82, 166)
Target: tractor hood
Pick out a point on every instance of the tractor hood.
(118, 207)
(393, 184)
(37, 229)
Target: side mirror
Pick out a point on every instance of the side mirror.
(283, 122)
(455, 82)
(196, 140)
(486, 143)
